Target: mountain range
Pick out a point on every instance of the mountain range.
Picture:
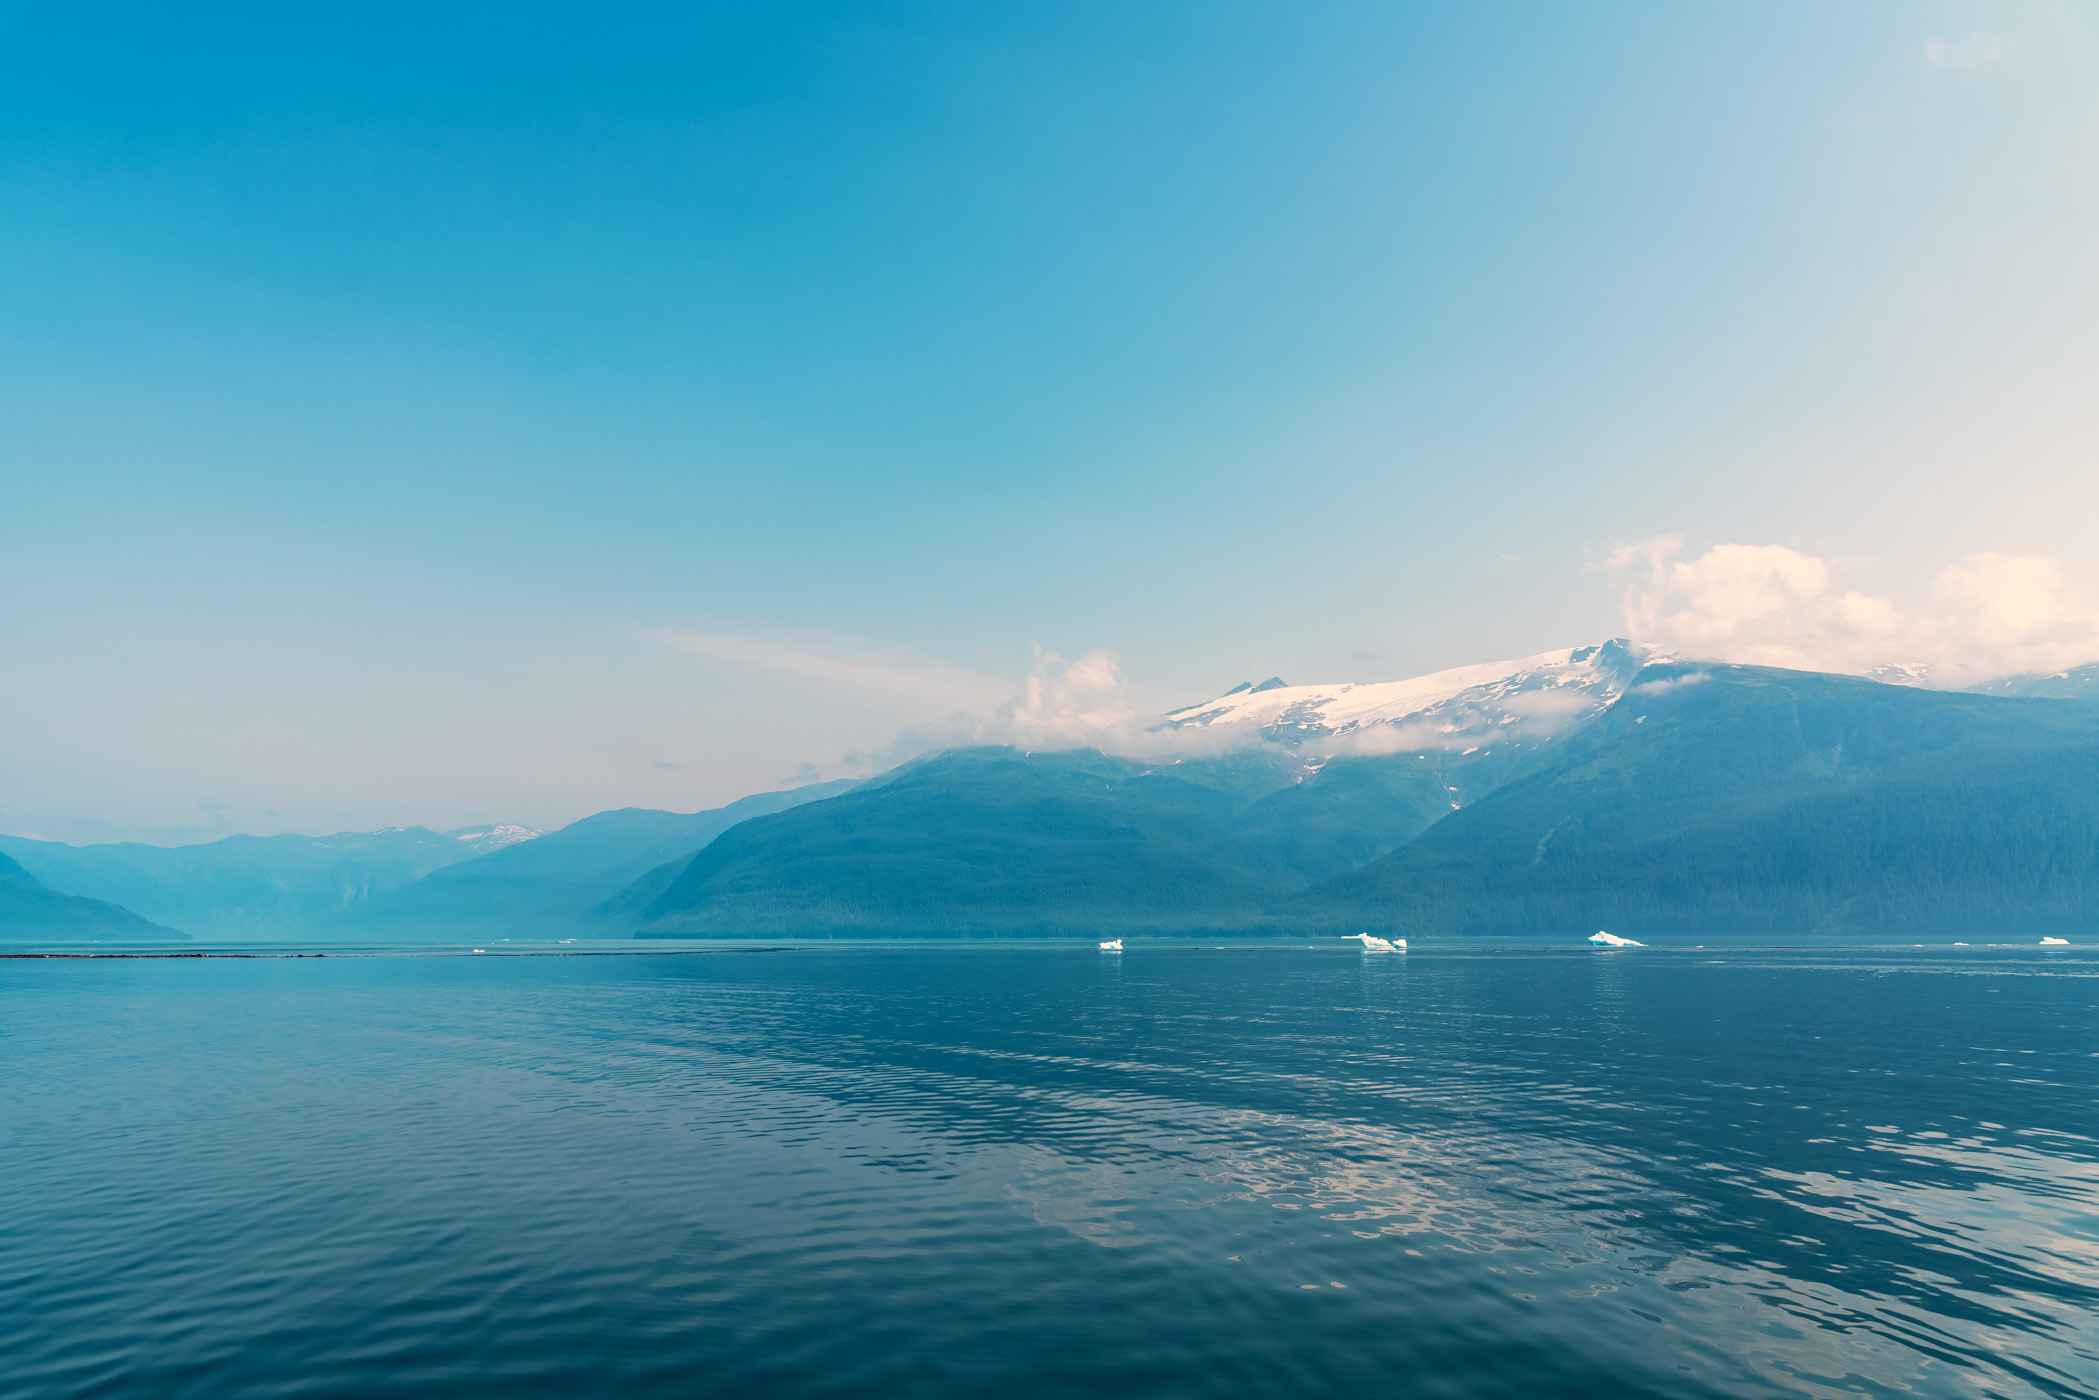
(1606, 785)
(1599, 785)
(553, 887)
(30, 909)
(254, 886)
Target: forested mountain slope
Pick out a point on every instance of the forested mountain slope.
(550, 887)
(990, 841)
(1744, 801)
(1000, 841)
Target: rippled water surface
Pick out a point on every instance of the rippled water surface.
(1037, 1171)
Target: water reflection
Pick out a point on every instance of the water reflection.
(1381, 979)
(1470, 1172)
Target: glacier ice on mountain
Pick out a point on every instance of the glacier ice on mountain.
(1499, 703)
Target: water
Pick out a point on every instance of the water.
(1032, 1172)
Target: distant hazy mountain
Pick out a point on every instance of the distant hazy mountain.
(32, 912)
(2077, 683)
(1740, 800)
(254, 886)
(551, 887)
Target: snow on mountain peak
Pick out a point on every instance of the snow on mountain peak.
(1535, 698)
(483, 839)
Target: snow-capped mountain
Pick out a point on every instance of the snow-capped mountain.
(2076, 683)
(1920, 674)
(1495, 705)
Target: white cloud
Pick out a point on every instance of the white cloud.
(1968, 52)
(1769, 605)
(1062, 705)
(1668, 684)
(1069, 703)
(2023, 606)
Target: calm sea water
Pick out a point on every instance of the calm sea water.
(1033, 1171)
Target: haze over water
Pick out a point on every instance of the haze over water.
(1037, 1171)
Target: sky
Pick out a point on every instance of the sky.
(440, 415)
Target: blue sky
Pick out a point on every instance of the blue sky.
(452, 414)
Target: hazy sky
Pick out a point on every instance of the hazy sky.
(439, 414)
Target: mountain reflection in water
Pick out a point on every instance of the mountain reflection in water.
(1037, 1171)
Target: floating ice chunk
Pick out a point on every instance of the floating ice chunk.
(2055, 943)
(1112, 945)
(1612, 940)
(1373, 944)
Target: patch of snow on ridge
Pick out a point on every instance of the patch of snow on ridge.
(2075, 683)
(1537, 697)
(1911, 673)
(484, 839)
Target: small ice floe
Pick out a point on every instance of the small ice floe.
(1612, 940)
(1373, 944)
(481, 950)
(1112, 945)
(2055, 943)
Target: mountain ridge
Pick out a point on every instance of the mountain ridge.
(553, 886)
(1290, 809)
(1743, 799)
(31, 911)
(1692, 774)
(253, 886)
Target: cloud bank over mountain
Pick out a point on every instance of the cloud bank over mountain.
(1989, 615)
(1498, 706)
(1062, 704)
(1768, 605)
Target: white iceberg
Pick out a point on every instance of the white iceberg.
(1373, 944)
(1612, 940)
